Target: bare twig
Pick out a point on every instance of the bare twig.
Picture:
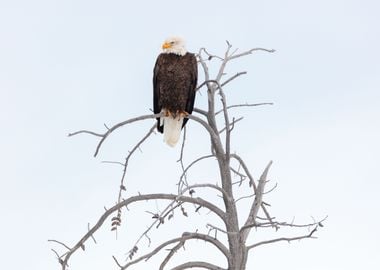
(245, 168)
(234, 77)
(269, 191)
(92, 236)
(242, 176)
(85, 132)
(137, 146)
(213, 227)
(117, 262)
(58, 242)
(256, 203)
(250, 52)
(113, 162)
(193, 163)
(267, 215)
(231, 125)
(171, 253)
(245, 105)
(288, 239)
(284, 224)
(211, 55)
(56, 254)
(116, 221)
(112, 129)
(226, 121)
(244, 197)
(183, 179)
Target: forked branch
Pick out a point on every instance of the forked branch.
(125, 203)
(287, 239)
(180, 241)
(256, 203)
(112, 129)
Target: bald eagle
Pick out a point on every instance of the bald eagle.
(175, 77)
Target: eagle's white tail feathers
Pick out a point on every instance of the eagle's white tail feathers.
(172, 129)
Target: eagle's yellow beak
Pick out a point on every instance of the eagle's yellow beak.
(166, 45)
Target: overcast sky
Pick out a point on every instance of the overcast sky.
(70, 65)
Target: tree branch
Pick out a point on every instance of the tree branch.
(137, 146)
(221, 190)
(116, 220)
(245, 105)
(226, 121)
(194, 162)
(288, 239)
(112, 129)
(182, 179)
(249, 52)
(245, 168)
(213, 135)
(199, 264)
(256, 203)
(284, 224)
(58, 242)
(197, 110)
(171, 253)
(86, 132)
(137, 198)
(185, 237)
(231, 125)
(233, 77)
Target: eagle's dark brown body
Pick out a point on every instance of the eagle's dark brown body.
(174, 82)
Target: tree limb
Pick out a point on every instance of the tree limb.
(249, 52)
(231, 125)
(284, 224)
(247, 172)
(233, 77)
(194, 162)
(112, 129)
(199, 264)
(180, 240)
(137, 146)
(137, 198)
(288, 239)
(245, 105)
(256, 203)
(200, 111)
(213, 135)
(171, 253)
(169, 208)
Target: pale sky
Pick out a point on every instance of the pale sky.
(70, 65)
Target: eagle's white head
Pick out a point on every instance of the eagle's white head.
(174, 45)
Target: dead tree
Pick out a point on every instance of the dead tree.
(236, 247)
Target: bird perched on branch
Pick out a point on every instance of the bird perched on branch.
(174, 85)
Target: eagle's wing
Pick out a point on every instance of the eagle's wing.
(192, 87)
(156, 91)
